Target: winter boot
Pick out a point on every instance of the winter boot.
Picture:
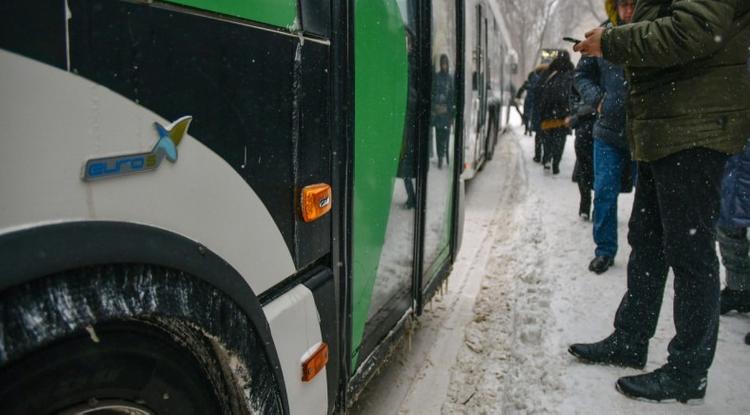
(665, 384)
(584, 209)
(614, 350)
(601, 264)
(734, 300)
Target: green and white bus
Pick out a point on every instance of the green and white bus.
(214, 206)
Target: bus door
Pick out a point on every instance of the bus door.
(442, 169)
(385, 198)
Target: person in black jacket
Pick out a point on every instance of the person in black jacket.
(554, 108)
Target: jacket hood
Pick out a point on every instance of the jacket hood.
(610, 6)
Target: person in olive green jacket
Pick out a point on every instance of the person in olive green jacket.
(688, 110)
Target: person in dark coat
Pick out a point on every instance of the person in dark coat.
(603, 86)
(582, 121)
(554, 108)
(443, 109)
(686, 65)
(532, 87)
(528, 103)
(734, 221)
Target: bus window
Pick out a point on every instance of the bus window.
(440, 177)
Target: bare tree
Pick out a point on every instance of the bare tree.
(538, 24)
(595, 10)
(529, 22)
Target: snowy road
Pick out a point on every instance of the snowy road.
(520, 292)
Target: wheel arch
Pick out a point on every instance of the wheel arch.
(32, 254)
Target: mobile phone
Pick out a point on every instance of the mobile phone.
(571, 40)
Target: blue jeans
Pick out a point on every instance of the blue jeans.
(608, 164)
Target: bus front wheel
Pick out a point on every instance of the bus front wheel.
(117, 367)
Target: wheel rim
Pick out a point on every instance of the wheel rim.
(107, 407)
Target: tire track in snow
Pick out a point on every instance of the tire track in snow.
(503, 363)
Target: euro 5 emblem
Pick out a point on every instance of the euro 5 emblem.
(169, 137)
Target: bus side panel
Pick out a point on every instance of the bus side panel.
(70, 120)
(256, 100)
(35, 29)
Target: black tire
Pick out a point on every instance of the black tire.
(143, 316)
(130, 365)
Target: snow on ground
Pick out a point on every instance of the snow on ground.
(520, 293)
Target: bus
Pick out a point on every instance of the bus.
(491, 61)
(229, 207)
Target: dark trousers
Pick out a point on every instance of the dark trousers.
(585, 204)
(735, 255)
(553, 142)
(538, 145)
(583, 172)
(672, 224)
(411, 195)
(442, 137)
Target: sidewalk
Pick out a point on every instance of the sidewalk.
(555, 301)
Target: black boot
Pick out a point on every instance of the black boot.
(601, 264)
(584, 207)
(735, 300)
(584, 211)
(665, 384)
(614, 350)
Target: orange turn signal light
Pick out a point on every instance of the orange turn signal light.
(316, 201)
(314, 362)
